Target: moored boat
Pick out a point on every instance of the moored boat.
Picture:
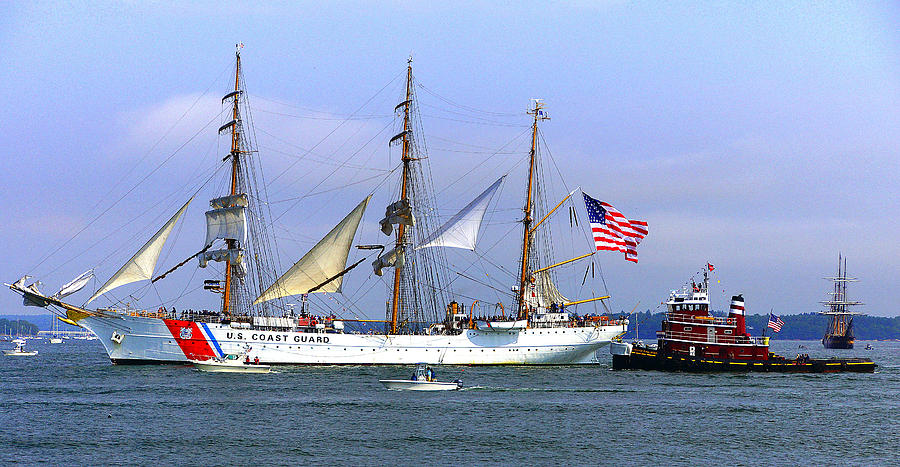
(692, 339)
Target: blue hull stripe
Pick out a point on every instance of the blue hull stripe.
(213, 339)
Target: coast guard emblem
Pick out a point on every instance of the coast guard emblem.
(186, 333)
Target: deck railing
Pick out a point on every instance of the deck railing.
(692, 319)
(714, 339)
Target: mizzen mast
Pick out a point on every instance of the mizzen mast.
(525, 277)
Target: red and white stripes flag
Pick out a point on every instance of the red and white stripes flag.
(612, 230)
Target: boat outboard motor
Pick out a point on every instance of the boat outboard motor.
(737, 312)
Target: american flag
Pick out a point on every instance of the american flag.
(775, 323)
(612, 230)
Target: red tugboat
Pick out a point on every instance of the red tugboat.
(692, 339)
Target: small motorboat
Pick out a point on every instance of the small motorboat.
(869, 347)
(423, 380)
(20, 351)
(231, 363)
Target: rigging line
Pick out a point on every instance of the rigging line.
(163, 137)
(361, 117)
(472, 122)
(322, 159)
(447, 100)
(584, 234)
(345, 161)
(336, 189)
(339, 125)
(122, 226)
(283, 103)
(453, 141)
(467, 114)
(326, 178)
(453, 183)
(509, 294)
(471, 152)
(96, 218)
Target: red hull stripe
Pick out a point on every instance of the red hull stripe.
(191, 340)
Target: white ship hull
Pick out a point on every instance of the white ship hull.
(129, 339)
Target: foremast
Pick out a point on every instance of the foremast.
(525, 277)
(235, 161)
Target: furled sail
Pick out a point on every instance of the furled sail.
(397, 213)
(324, 261)
(544, 291)
(141, 265)
(391, 259)
(75, 284)
(461, 231)
(33, 297)
(234, 255)
(239, 199)
(226, 222)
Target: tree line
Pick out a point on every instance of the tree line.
(805, 326)
(17, 327)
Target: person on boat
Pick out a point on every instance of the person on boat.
(247, 359)
(256, 360)
(429, 374)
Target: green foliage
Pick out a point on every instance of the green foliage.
(18, 326)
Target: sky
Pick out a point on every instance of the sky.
(761, 137)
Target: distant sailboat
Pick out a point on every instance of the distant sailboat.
(840, 327)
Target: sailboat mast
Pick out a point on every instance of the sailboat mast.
(401, 228)
(235, 145)
(538, 114)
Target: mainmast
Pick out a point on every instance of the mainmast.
(524, 278)
(401, 228)
(235, 150)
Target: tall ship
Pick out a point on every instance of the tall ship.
(693, 339)
(424, 322)
(839, 334)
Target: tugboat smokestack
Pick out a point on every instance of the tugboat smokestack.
(737, 312)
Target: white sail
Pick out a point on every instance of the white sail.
(226, 223)
(75, 284)
(325, 260)
(461, 231)
(140, 266)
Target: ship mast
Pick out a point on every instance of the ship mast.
(401, 228)
(524, 278)
(235, 146)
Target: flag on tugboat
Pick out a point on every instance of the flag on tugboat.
(612, 230)
(775, 323)
(710, 267)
